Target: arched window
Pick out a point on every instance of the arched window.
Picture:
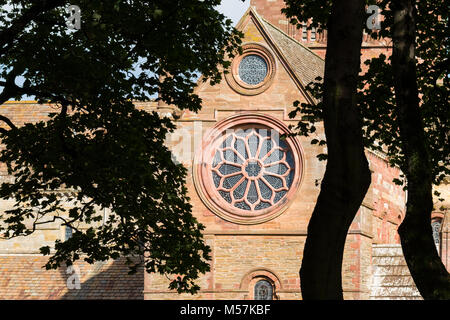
(436, 227)
(263, 290)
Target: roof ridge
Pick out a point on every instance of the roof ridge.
(289, 37)
(301, 65)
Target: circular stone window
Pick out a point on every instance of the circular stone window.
(253, 71)
(263, 290)
(247, 172)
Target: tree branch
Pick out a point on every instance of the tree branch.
(8, 122)
(7, 36)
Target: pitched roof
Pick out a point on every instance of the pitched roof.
(306, 64)
(303, 64)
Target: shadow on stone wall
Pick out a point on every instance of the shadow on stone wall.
(22, 277)
(103, 280)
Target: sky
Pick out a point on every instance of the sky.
(234, 9)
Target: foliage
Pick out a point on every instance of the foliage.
(317, 11)
(311, 114)
(376, 87)
(100, 152)
(377, 90)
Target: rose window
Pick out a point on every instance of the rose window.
(252, 170)
(253, 69)
(248, 171)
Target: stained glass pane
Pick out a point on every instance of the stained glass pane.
(290, 178)
(275, 182)
(216, 179)
(252, 196)
(243, 133)
(226, 196)
(240, 190)
(254, 168)
(276, 155)
(217, 159)
(266, 146)
(290, 159)
(277, 168)
(253, 69)
(242, 205)
(228, 169)
(279, 195)
(436, 227)
(262, 205)
(239, 146)
(253, 143)
(231, 156)
(266, 192)
(229, 183)
(263, 290)
(227, 142)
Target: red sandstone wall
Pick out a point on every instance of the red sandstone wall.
(388, 201)
(274, 248)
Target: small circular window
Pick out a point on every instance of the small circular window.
(247, 171)
(253, 69)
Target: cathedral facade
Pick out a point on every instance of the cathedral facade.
(252, 188)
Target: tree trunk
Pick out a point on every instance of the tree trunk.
(429, 273)
(347, 176)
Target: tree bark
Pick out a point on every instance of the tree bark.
(347, 176)
(429, 273)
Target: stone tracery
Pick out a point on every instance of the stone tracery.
(253, 69)
(252, 169)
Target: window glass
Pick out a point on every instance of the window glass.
(253, 69)
(263, 290)
(253, 169)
